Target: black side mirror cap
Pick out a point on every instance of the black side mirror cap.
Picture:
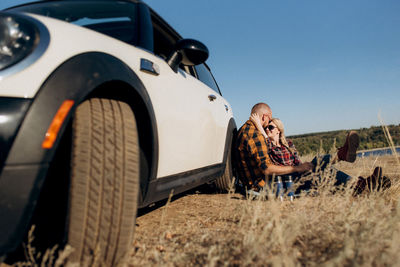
(188, 52)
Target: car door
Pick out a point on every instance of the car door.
(186, 122)
(220, 108)
(189, 132)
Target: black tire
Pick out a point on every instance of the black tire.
(225, 182)
(104, 182)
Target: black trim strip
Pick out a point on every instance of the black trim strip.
(145, 33)
(186, 178)
(230, 138)
(19, 190)
(161, 188)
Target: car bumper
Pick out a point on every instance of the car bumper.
(13, 179)
(17, 200)
(12, 111)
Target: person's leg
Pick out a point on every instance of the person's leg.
(321, 162)
(341, 177)
(348, 152)
(301, 183)
(304, 187)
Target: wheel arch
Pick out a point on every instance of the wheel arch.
(224, 181)
(230, 140)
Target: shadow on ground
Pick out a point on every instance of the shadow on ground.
(205, 189)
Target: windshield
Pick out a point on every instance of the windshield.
(113, 18)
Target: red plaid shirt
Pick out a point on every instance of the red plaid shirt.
(281, 155)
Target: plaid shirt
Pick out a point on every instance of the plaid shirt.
(252, 156)
(281, 155)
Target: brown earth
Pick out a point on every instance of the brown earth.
(201, 227)
(183, 231)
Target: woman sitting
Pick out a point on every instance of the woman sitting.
(280, 150)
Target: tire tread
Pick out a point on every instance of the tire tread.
(104, 182)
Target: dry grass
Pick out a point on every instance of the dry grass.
(204, 229)
(327, 229)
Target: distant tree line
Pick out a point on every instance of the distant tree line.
(326, 142)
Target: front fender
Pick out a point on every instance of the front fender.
(27, 162)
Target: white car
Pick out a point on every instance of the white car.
(104, 109)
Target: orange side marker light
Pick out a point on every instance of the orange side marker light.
(52, 131)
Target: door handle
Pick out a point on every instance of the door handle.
(212, 97)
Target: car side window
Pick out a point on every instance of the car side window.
(164, 41)
(118, 28)
(204, 75)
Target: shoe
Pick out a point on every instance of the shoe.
(360, 186)
(348, 152)
(375, 182)
(378, 182)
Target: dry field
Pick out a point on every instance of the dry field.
(328, 229)
(202, 228)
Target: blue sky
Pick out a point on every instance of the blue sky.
(321, 65)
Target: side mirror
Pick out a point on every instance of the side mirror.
(188, 52)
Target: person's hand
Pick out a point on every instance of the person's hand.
(256, 120)
(304, 167)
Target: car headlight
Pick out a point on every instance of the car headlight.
(18, 38)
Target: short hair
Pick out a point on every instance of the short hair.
(259, 107)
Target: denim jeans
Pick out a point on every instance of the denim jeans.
(290, 180)
(321, 163)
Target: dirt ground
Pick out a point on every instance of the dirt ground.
(188, 230)
(182, 231)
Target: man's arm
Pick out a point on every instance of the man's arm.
(281, 170)
(257, 146)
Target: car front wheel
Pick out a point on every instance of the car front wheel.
(104, 182)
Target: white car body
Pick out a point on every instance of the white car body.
(195, 142)
(184, 127)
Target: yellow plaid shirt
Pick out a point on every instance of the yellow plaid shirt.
(252, 156)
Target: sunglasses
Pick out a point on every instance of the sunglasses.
(270, 127)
